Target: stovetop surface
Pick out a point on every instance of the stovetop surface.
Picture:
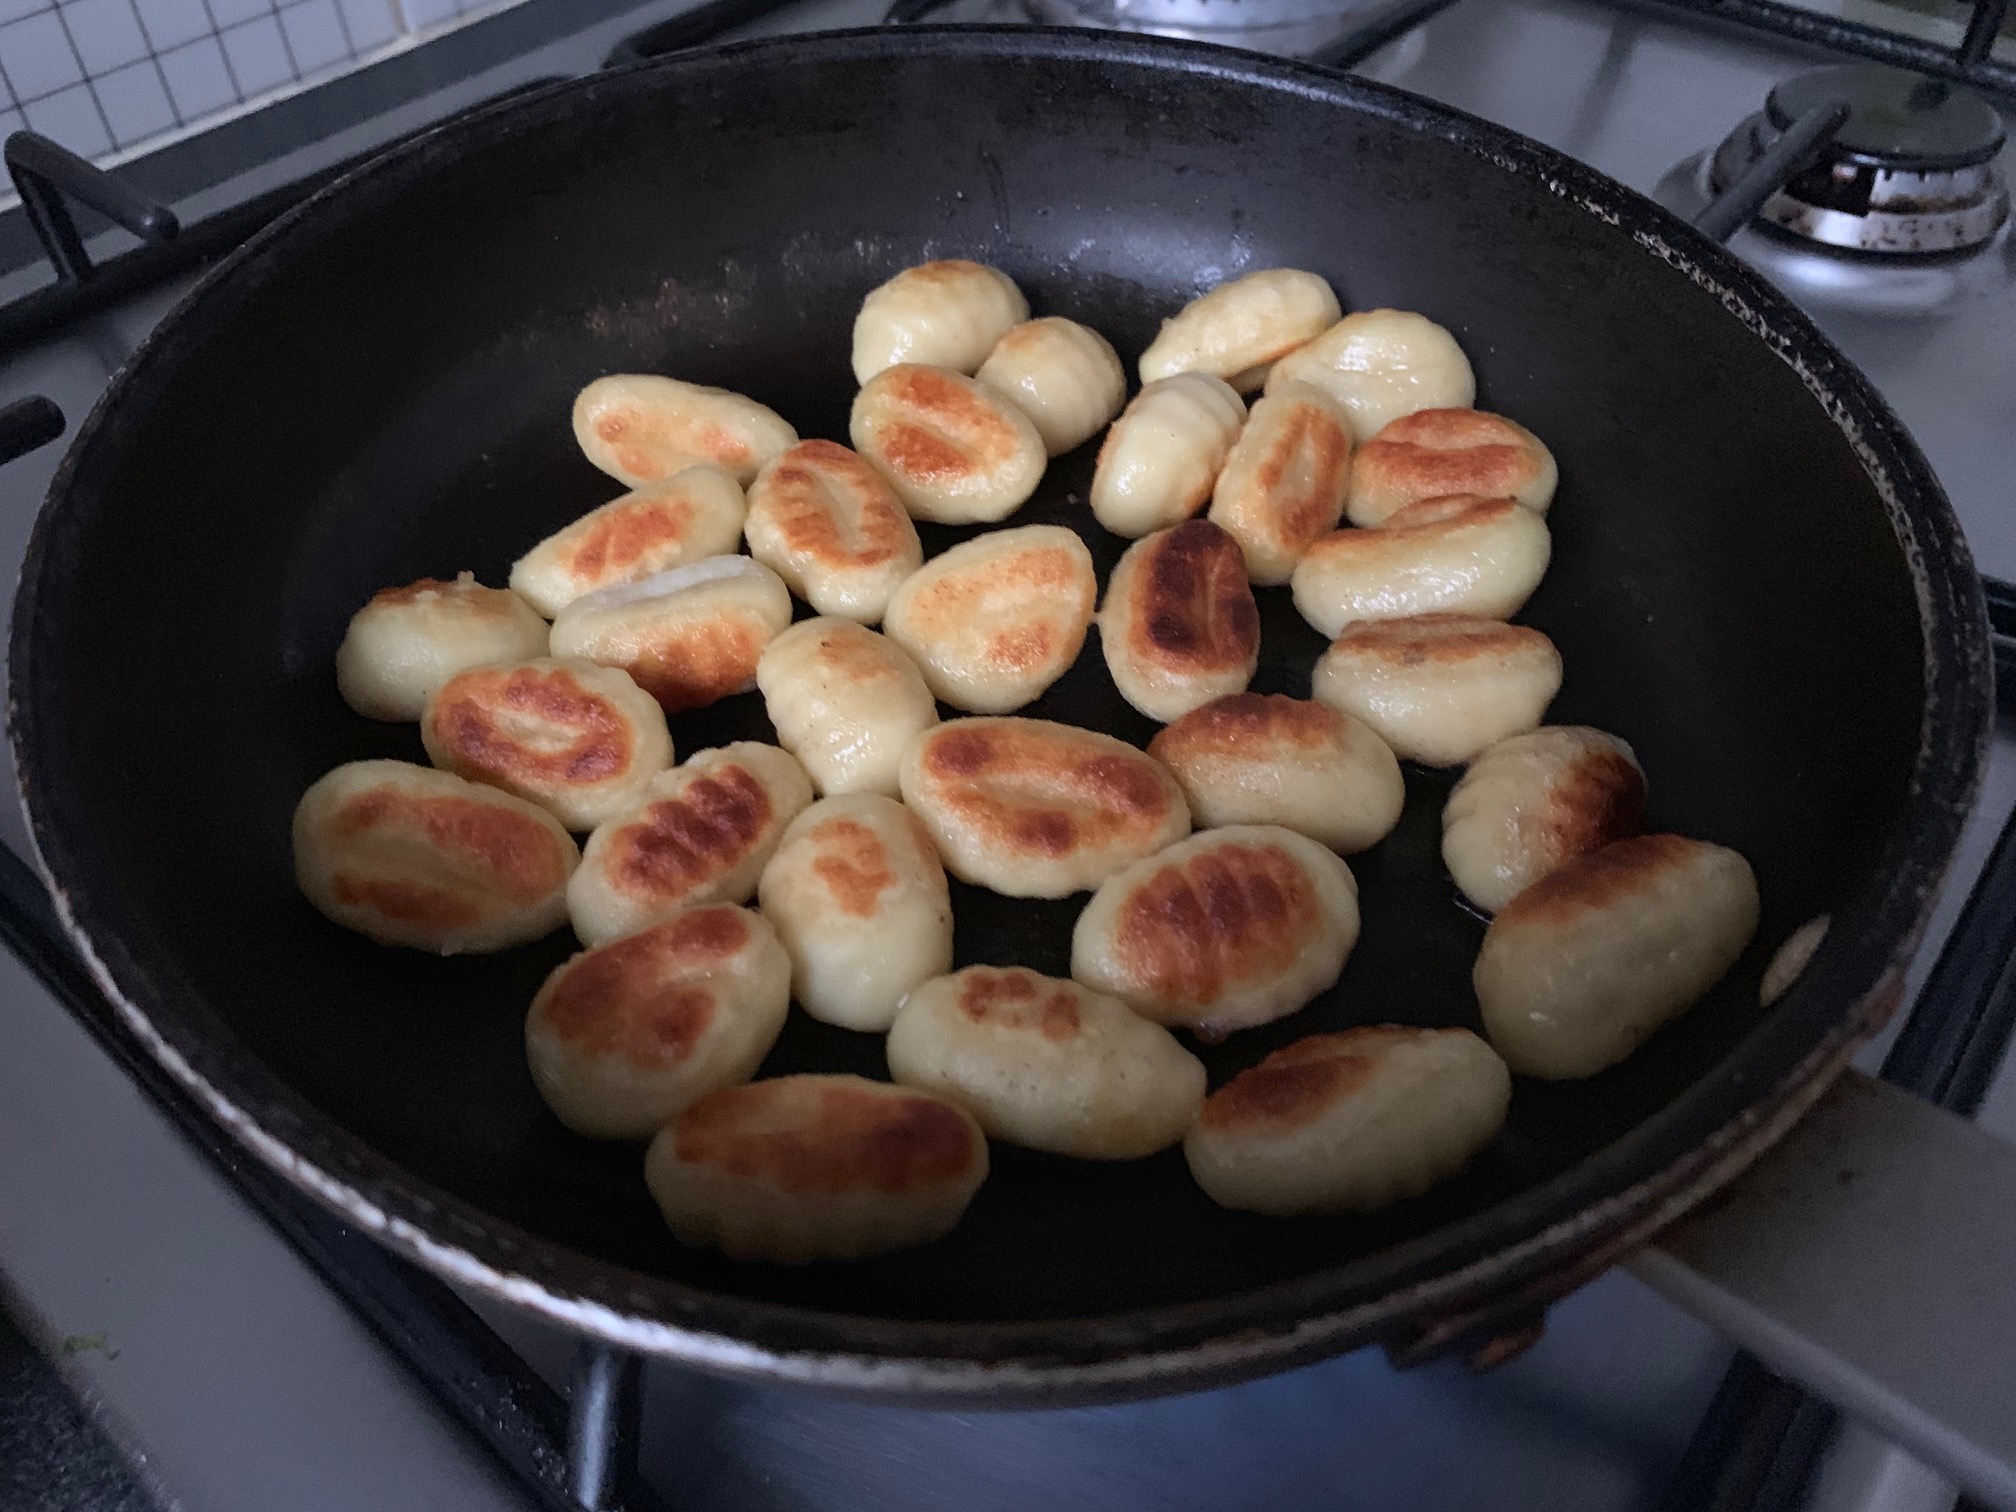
(210, 1349)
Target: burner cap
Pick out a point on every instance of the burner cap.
(1896, 119)
(1910, 173)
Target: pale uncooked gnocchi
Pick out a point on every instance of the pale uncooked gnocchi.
(846, 702)
(1580, 968)
(1345, 1123)
(701, 833)
(1162, 456)
(1179, 626)
(1230, 928)
(621, 1037)
(858, 896)
(995, 620)
(830, 526)
(1047, 1064)
(801, 1168)
(1380, 365)
(579, 740)
(640, 428)
(408, 641)
(956, 452)
(1255, 758)
(948, 314)
(1436, 452)
(1238, 330)
(1039, 810)
(1064, 376)
(1534, 802)
(689, 637)
(1284, 482)
(1459, 555)
(695, 513)
(1439, 688)
(408, 855)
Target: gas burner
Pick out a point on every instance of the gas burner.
(1911, 170)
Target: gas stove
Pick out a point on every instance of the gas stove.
(245, 1352)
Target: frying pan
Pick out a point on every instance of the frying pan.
(1756, 581)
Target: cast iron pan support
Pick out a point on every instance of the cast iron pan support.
(46, 174)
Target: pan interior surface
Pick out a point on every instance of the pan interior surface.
(381, 392)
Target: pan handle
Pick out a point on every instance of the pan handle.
(27, 424)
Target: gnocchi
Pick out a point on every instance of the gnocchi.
(1439, 688)
(408, 641)
(689, 637)
(701, 833)
(1162, 456)
(1254, 758)
(801, 1168)
(827, 524)
(1346, 1123)
(858, 896)
(640, 428)
(1039, 810)
(579, 740)
(1046, 1064)
(1064, 376)
(1580, 968)
(1230, 928)
(1285, 479)
(695, 513)
(948, 314)
(407, 855)
(1380, 365)
(623, 1036)
(994, 621)
(1238, 330)
(955, 452)
(846, 702)
(1179, 627)
(1436, 452)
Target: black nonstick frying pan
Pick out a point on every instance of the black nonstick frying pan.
(1756, 582)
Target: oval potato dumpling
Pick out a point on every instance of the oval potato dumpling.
(408, 641)
(1231, 928)
(846, 702)
(579, 740)
(1254, 758)
(1534, 802)
(954, 450)
(623, 1036)
(1345, 1123)
(1162, 456)
(1380, 365)
(1046, 1064)
(1436, 452)
(689, 637)
(1582, 966)
(408, 855)
(693, 514)
(702, 833)
(1460, 555)
(801, 1168)
(1284, 482)
(1064, 376)
(858, 896)
(1239, 329)
(1179, 627)
(1039, 810)
(995, 620)
(640, 428)
(829, 525)
(1439, 688)
(948, 313)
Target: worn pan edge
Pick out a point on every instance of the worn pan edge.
(1124, 1354)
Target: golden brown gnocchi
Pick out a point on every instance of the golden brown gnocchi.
(1380, 365)
(1179, 627)
(1284, 482)
(830, 526)
(695, 513)
(1046, 1064)
(640, 428)
(1436, 452)
(408, 641)
(956, 452)
(858, 896)
(623, 1036)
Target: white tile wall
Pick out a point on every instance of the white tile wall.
(108, 77)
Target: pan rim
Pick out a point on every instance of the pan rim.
(1123, 1353)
